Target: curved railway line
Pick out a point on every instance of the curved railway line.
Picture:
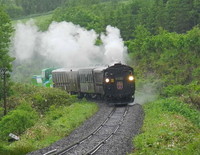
(95, 140)
(109, 131)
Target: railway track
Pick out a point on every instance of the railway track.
(94, 141)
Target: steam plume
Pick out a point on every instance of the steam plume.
(67, 44)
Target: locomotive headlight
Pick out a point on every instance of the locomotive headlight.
(107, 80)
(131, 78)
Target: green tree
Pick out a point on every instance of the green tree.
(5, 59)
(182, 15)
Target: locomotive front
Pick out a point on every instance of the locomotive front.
(119, 83)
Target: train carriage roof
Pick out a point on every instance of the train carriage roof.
(93, 68)
(65, 70)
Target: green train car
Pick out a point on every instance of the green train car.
(45, 79)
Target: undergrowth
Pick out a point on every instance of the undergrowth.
(40, 116)
(170, 127)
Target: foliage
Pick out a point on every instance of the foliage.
(17, 121)
(18, 8)
(187, 93)
(40, 116)
(176, 106)
(42, 20)
(173, 15)
(40, 98)
(171, 57)
(5, 33)
(167, 132)
(46, 97)
(5, 59)
(56, 124)
(1, 112)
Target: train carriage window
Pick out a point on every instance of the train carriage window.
(106, 74)
(88, 78)
(83, 78)
(80, 78)
(63, 78)
(91, 78)
(67, 77)
(58, 77)
(54, 78)
(98, 77)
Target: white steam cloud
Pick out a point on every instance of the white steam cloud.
(147, 92)
(68, 45)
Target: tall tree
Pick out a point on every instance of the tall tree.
(5, 59)
(181, 15)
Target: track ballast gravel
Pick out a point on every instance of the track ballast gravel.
(119, 144)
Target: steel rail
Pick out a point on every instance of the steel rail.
(99, 145)
(64, 150)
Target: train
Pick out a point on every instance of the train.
(45, 79)
(112, 83)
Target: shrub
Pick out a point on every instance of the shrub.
(17, 121)
(174, 90)
(176, 106)
(166, 131)
(47, 97)
(187, 93)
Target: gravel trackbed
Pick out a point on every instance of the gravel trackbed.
(119, 144)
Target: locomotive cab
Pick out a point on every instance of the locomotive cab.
(119, 83)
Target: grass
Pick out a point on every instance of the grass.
(40, 116)
(33, 16)
(41, 20)
(170, 127)
(56, 124)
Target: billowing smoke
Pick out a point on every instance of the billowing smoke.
(147, 92)
(66, 44)
(24, 41)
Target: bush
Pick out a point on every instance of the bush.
(175, 90)
(187, 93)
(40, 98)
(176, 106)
(166, 131)
(17, 121)
(46, 97)
(57, 123)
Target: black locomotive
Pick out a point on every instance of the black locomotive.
(112, 83)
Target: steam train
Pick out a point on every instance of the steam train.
(112, 83)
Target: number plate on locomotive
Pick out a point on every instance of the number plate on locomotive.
(120, 85)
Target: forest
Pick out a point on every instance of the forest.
(162, 39)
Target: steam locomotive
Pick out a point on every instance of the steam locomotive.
(114, 83)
